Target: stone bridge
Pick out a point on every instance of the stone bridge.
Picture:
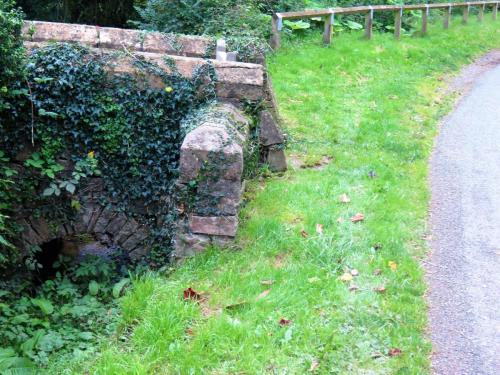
(221, 134)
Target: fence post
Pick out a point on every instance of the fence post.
(397, 23)
(466, 14)
(277, 23)
(425, 16)
(480, 15)
(447, 14)
(327, 34)
(369, 24)
(495, 11)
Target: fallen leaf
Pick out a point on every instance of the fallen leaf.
(344, 198)
(357, 218)
(395, 352)
(353, 288)
(319, 228)
(354, 272)
(393, 265)
(304, 234)
(267, 282)
(191, 294)
(393, 97)
(346, 277)
(263, 294)
(313, 279)
(189, 331)
(377, 272)
(379, 289)
(284, 322)
(314, 365)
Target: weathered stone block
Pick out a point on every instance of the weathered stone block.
(219, 197)
(277, 160)
(173, 44)
(188, 244)
(114, 38)
(270, 133)
(214, 146)
(214, 225)
(37, 31)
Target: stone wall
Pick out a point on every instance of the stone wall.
(212, 154)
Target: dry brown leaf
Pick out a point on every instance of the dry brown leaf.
(344, 198)
(267, 282)
(379, 289)
(319, 228)
(377, 272)
(284, 322)
(346, 277)
(263, 294)
(357, 218)
(395, 352)
(304, 234)
(353, 288)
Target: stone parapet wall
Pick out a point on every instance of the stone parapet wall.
(235, 80)
(114, 38)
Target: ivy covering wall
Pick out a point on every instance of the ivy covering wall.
(72, 120)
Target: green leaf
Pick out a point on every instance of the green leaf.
(119, 287)
(354, 25)
(48, 192)
(44, 305)
(297, 25)
(43, 112)
(93, 288)
(70, 188)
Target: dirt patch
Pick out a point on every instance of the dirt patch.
(318, 164)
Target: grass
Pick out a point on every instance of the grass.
(373, 107)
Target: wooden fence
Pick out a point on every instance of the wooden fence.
(329, 14)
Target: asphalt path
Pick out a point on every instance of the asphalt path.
(463, 268)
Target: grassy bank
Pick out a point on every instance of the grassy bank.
(308, 289)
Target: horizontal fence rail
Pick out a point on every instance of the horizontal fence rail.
(329, 14)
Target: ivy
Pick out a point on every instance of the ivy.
(80, 122)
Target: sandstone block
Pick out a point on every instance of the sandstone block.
(210, 148)
(114, 38)
(277, 160)
(37, 31)
(188, 244)
(214, 225)
(270, 133)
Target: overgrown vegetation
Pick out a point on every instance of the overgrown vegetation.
(312, 290)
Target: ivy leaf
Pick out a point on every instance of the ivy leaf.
(45, 305)
(43, 112)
